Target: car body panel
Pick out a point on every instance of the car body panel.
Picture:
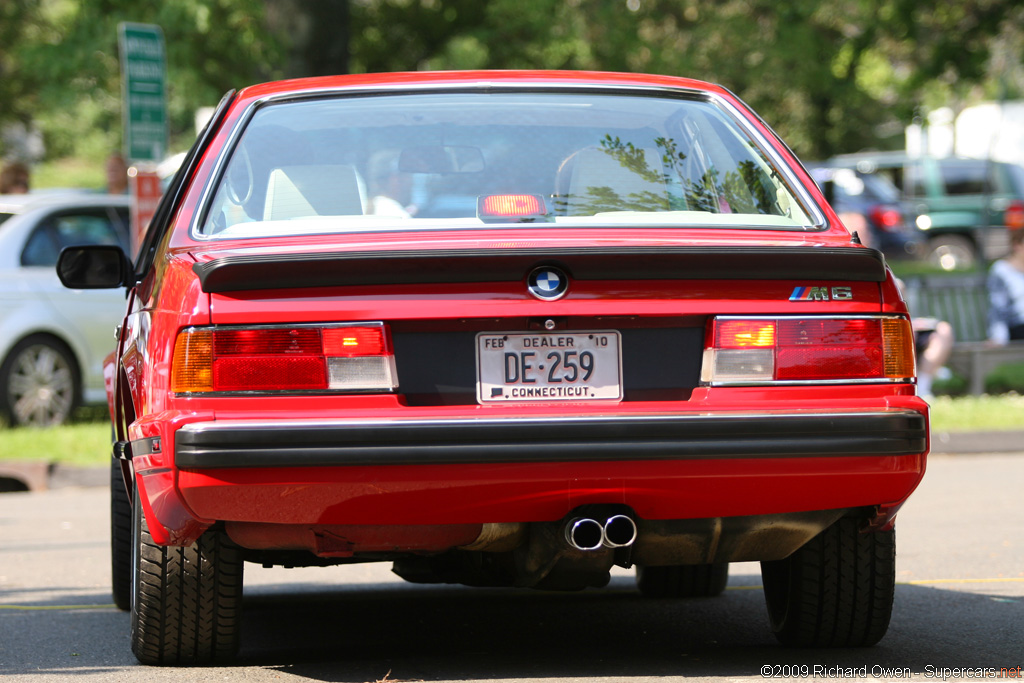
(32, 299)
(952, 195)
(459, 282)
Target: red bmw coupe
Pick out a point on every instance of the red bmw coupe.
(503, 329)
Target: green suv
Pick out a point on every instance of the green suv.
(963, 205)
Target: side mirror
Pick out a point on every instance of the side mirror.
(93, 267)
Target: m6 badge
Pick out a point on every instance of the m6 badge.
(810, 293)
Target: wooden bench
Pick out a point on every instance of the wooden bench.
(962, 301)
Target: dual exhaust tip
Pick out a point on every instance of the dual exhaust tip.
(584, 533)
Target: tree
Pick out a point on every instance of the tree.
(18, 20)
(314, 35)
(66, 74)
(831, 76)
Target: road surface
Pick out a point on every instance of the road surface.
(959, 605)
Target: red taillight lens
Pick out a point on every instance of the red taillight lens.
(264, 342)
(829, 349)
(269, 373)
(762, 350)
(886, 217)
(1014, 216)
(282, 359)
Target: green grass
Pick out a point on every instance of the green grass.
(69, 173)
(977, 413)
(84, 444)
(87, 442)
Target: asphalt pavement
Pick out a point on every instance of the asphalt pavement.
(958, 613)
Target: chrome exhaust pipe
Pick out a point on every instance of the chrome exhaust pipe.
(583, 533)
(618, 531)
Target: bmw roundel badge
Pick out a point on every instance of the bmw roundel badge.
(547, 283)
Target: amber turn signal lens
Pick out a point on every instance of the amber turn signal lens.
(192, 367)
(738, 334)
(898, 342)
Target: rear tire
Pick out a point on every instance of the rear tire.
(835, 591)
(683, 581)
(120, 539)
(186, 602)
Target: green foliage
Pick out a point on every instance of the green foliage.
(1006, 378)
(74, 172)
(830, 77)
(59, 64)
(951, 385)
(19, 22)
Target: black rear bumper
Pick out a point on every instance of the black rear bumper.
(227, 444)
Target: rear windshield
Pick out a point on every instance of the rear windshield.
(471, 160)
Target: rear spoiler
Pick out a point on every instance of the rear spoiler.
(288, 271)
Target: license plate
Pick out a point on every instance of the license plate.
(578, 366)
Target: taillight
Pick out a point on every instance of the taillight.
(795, 350)
(886, 217)
(1014, 216)
(279, 359)
(523, 208)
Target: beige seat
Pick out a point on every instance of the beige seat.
(319, 190)
(600, 180)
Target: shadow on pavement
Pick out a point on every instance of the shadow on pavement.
(370, 632)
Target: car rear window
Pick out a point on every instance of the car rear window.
(1015, 176)
(965, 178)
(74, 227)
(443, 160)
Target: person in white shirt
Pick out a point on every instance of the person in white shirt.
(1006, 293)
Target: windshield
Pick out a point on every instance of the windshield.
(443, 160)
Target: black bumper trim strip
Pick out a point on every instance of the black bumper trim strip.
(216, 446)
(253, 272)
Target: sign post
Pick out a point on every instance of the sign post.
(146, 191)
(144, 93)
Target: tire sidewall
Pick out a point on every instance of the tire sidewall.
(138, 520)
(6, 409)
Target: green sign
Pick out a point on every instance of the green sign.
(144, 90)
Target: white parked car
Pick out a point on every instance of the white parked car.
(53, 340)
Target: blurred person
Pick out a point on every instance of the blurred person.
(933, 339)
(117, 174)
(14, 178)
(1006, 293)
(933, 344)
(390, 188)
